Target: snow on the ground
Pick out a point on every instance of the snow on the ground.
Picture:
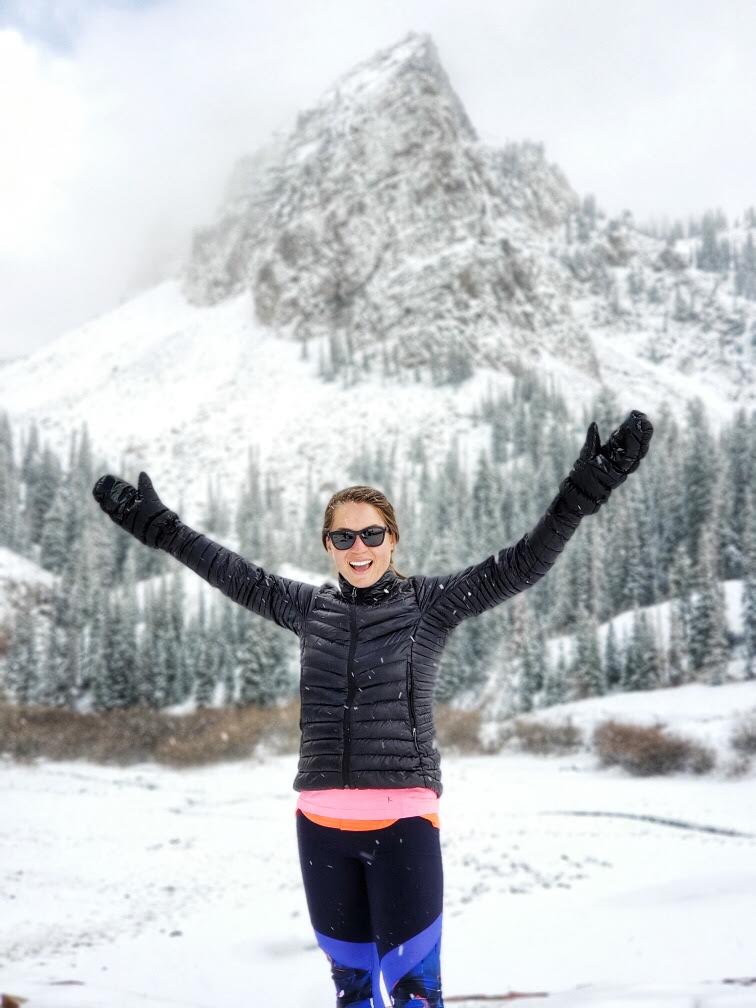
(158, 887)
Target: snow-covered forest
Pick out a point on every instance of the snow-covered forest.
(108, 625)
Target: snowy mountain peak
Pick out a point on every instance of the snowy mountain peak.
(381, 220)
(411, 71)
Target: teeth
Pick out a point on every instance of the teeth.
(360, 563)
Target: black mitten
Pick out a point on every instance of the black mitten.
(138, 510)
(600, 468)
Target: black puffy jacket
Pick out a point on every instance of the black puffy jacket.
(369, 655)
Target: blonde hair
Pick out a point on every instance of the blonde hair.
(363, 495)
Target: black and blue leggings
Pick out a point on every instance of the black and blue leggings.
(375, 901)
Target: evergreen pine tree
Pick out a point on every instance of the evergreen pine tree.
(151, 687)
(251, 512)
(748, 600)
(682, 581)
(23, 661)
(55, 549)
(84, 578)
(584, 564)
(93, 666)
(699, 473)
(629, 549)
(526, 671)
(587, 676)
(676, 671)
(204, 666)
(227, 672)
(118, 687)
(498, 697)
(42, 491)
(745, 273)
(54, 689)
(612, 660)
(72, 661)
(671, 518)
(9, 488)
(184, 674)
(634, 667)
(216, 519)
(649, 673)
(646, 539)
(256, 659)
(708, 642)
(457, 671)
(555, 681)
(169, 640)
(30, 456)
(731, 514)
(708, 251)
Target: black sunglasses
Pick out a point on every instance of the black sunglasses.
(344, 538)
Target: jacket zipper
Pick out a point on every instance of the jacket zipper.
(411, 709)
(351, 687)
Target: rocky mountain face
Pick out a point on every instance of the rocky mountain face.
(383, 217)
(382, 222)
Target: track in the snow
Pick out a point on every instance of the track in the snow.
(487, 1000)
(473, 1000)
(679, 823)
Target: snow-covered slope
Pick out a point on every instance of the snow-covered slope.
(183, 391)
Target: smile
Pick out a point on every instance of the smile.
(360, 565)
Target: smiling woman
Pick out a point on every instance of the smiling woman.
(369, 775)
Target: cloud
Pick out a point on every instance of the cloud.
(42, 120)
(123, 119)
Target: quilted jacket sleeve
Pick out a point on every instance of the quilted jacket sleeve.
(469, 592)
(276, 598)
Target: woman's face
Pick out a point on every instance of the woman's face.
(357, 516)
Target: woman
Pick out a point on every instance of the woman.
(369, 779)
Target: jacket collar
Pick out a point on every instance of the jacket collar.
(374, 593)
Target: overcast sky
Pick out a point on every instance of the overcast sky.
(120, 119)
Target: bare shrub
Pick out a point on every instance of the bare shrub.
(743, 736)
(121, 736)
(495, 736)
(547, 737)
(643, 750)
(701, 758)
(211, 735)
(136, 735)
(737, 766)
(457, 729)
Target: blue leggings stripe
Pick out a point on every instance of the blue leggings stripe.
(356, 970)
(402, 961)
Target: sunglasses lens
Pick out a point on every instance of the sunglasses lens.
(342, 540)
(373, 536)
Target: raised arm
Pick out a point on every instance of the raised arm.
(140, 511)
(596, 472)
